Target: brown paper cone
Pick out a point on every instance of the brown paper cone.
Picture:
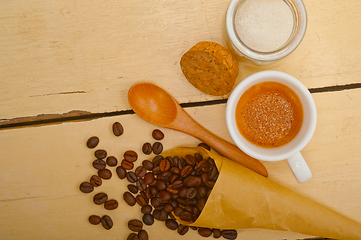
(243, 199)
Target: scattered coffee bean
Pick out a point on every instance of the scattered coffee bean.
(229, 234)
(182, 229)
(86, 187)
(133, 236)
(131, 177)
(205, 232)
(92, 142)
(121, 172)
(171, 224)
(106, 222)
(129, 199)
(127, 165)
(112, 161)
(157, 134)
(143, 235)
(205, 146)
(100, 198)
(118, 129)
(94, 219)
(147, 148)
(105, 173)
(148, 178)
(111, 204)
(157, 160)
(96, 181)
(148, 219)
(146, 209)
(216, 233)
(135, 225)
(100, 154)
(141, 200)
(132, 188)
(99, 164)
(140, 171)
(157, 148)
(148, 165)
(130, 156)
(164, 165)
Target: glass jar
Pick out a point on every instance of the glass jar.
(264, 20)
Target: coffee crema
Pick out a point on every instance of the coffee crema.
(269, 114)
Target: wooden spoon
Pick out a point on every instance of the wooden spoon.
(158, 107)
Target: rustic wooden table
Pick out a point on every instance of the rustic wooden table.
(66, 67)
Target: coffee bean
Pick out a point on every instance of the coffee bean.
(112, 161)
(165, 176)
(157, 160)
(193, 228)
(229, 234)
(141, 200)
(148, 178)
(198, 156)
(132, 188)
(177, 211)
(100, 154)
(205, 232)
(131, 177)
(190, 159)
(191, 193)
(157, 148)
(129, 198)
(111, 204)
(133, 236)
(205, 146)
(216, 233)
(157, 134)
(106, 222)
(182, 229)
(186, 171)
(100, 198)
(163, 215)
(94, 219)
(121, 172)
(210, 184)
(92, 142)
(186, 216)
(140, 171)
(155, 202)
(130, 156)
(164, 165)
(135, 225)
(175, 170)
(105, 173)
(99, 164)
(146, 209)
(118, 129)
(202, 191)
(193, 182)
(86, 187)
(143, 235)
(147, 148)
(147, 165)
(96, 181)
(141, 185)
(148, 219)
(168, 207)
(200, 203)
(127, 165)
(171, 224)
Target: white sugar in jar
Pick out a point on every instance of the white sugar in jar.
(265, 30)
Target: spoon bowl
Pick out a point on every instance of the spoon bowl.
(158, 107)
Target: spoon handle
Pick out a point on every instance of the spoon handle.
(223, 147)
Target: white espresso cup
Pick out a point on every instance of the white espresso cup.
(289, 151)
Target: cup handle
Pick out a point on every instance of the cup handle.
(299, 168)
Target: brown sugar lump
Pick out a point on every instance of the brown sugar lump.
(210, 67)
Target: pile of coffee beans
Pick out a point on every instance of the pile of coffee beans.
(164, 188)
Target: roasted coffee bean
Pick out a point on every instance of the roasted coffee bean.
(200, 203)
(165, 196)
(168, 207)
(141, 200)
(127, 165)
(164, 165)
(186, 216)
(175, 170)
(174, 178)
(105, 173)
(106, 222)
(118, 129)
(135, 225)
(213, 173)
(99, 164)
(202, 191)
(132, 188)
(177, 211)
(129, 198)
(157, 148)
(140, 171)
(190, 159)
(148, 178)
(189, 209)
(157, 134)
(86, 187)
(100, 198)
(229, 234)
(172, 190)
(131, 177)
(205, 146)
(92, 142)
(156, 170)
(146, 209)
(193, 228)
(198, 156)
(163, 215)
(186, 171)
(182, 229)
(175, 161)
(205, 232)
(191, 193)
(165, 176)
(112, 161)
(157, 160)
(216, 233)
(133, 236)
(154, 191)
(171, 224)
(160, 185)
(181, 201)
(181, 163)
(193, 182)
(143, 235)
(155, 202)
(96, 181)
(94, 219)
(100, 154)
(121, 172)
(147, 193)
(147, 148)
(130, 156)
(148, 219)
(148, 165)
(141, 185)
(205, 177)
(111, 204)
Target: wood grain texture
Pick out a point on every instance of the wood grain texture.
(63, 56)
(42, 168)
